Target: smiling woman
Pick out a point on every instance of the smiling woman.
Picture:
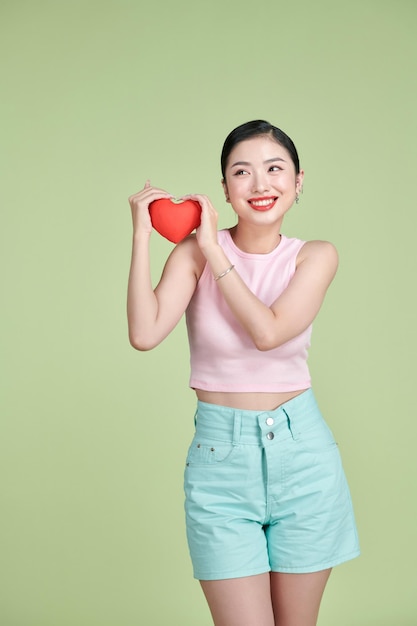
(261, 175)
(268, 509)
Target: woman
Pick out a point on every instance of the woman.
(267, 505)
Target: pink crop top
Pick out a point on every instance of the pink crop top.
(223, 357)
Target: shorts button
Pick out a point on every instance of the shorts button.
(270, 436)
(269, 421)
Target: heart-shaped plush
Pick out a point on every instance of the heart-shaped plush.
(175, 220)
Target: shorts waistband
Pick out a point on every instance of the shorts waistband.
(249, 427)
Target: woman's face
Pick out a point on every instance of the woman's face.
(260, 180)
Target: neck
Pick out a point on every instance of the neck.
(256, 240)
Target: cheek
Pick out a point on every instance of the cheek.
(290, 182)
(237, 186)
(235, 194)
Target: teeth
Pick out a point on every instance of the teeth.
(262, 202)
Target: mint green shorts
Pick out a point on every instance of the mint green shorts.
(266, 491)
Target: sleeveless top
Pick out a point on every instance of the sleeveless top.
(222, 355)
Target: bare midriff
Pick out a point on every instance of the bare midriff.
(248, 401)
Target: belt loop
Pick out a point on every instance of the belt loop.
(288, 422)
(237, 426)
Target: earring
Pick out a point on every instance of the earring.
(297, 198)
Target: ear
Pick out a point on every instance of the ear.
(299, 182)
(226, 193)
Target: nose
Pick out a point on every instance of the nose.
(260, 182)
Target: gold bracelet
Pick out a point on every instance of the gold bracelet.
(229, 269)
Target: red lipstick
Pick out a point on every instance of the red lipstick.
(262, 204)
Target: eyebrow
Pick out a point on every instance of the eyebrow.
(267, 161)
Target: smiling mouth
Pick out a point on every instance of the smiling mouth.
(262, 204)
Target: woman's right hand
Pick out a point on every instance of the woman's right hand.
(139, 204)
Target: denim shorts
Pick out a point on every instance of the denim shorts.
(266, 491)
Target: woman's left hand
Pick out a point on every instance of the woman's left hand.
(206, 233)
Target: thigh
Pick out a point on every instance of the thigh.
(296, 597)
(240, 601)
(225, 509)
(312, 526)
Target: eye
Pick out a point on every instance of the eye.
(240, 173)
(275, 168)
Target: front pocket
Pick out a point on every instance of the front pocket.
(317, 438)
(202, 452)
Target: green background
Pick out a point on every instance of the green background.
(97, 97)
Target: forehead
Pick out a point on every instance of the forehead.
(256, 149)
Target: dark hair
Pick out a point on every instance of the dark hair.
(255, 129)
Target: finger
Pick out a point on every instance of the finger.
(196, 197)
(149, 194)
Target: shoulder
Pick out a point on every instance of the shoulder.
(319, 254)
(188, 252)
(319, 249)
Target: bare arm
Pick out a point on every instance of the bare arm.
(152, 314)
(294, 310)
(296, 307)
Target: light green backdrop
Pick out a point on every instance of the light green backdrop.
(98, 96)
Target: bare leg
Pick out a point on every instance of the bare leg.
(296, 597)
(240, 601)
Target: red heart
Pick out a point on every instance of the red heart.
(175, 220)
